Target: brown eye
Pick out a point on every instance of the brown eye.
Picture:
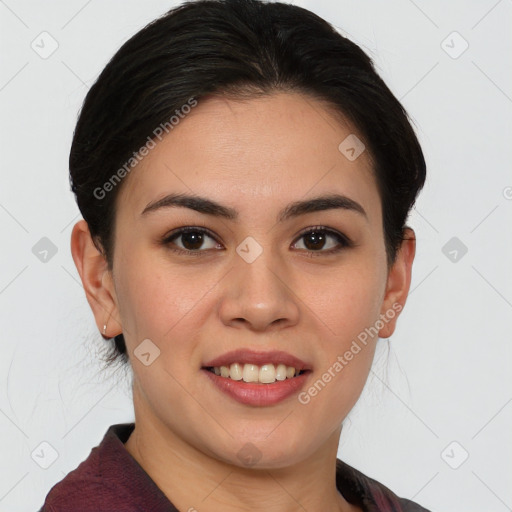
(195, 241)
(321, 240)
(192, 240)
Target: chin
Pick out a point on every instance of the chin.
(268, 451)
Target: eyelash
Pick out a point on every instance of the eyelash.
(343, 241)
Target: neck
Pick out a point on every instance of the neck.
(193, 480)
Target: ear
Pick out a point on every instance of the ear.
(96, 279)
(398, 283)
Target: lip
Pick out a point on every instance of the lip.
(257, 394)
(244, 356)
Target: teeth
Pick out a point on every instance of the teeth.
(250, 373)
(265, 374)
(281, 372)
(235, 372)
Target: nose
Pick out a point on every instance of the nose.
(259, 295)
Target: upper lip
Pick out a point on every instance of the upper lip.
(258, 358)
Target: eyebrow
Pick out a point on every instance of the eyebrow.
(295, 209)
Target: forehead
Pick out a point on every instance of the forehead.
(253, 154)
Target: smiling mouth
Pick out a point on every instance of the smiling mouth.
(251, 373)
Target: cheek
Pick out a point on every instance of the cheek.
(165, 304)
(349, 308)
(349, 301)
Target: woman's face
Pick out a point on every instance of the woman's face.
(254, 282)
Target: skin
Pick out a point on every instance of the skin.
(255, 156)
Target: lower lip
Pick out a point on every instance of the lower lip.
(251, 393)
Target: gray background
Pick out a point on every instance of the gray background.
(444, 391)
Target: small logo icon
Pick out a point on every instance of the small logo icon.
(454, 45)
(454, 249)
(249, 249)
(351, 147)
(146, 352)
(249, 455)
(44, 45)
(44, 455)
(454, 455)
(44, 250)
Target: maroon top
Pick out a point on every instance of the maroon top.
(110, 479)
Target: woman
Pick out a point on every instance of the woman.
(245, 177)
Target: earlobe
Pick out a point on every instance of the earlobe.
(96, 280)
(398, 283)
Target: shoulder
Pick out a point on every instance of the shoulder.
(371, 494)
(96, 484)
(81, 489)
